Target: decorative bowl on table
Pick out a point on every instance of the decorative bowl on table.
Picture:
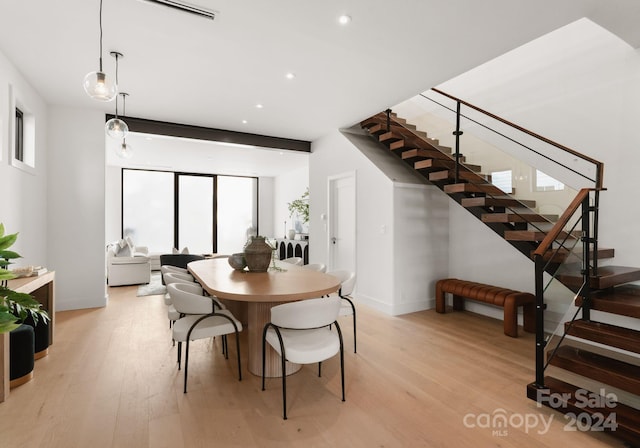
(237, 261)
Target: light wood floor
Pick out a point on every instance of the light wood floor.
(110, 380)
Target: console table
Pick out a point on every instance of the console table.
(42, 289)
(293, 248)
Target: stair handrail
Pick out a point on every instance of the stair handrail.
(562, 222)
(581, 201)
(598, 181)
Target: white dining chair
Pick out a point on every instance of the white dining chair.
(174, 277)
(299, 332)
(319, 267)
(201, 320)
(294, 260)
(347, 283)
(169, 268)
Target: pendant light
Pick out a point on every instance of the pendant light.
(97, 85)
(125, 150)
(115, 127)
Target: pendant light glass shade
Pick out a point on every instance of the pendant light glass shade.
(100, 87)
(116, 128)
(124, 150)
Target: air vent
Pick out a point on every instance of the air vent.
(185, 7)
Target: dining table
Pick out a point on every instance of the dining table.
(259, 291)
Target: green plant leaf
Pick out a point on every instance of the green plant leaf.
(6, 275)
(7, 240)
(1, 230)
(8, 319)
(9, 254)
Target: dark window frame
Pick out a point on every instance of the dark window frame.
(19, 136)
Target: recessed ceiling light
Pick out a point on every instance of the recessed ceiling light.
(244, 121)
(290, 75)
(344, 19)
(259, 106)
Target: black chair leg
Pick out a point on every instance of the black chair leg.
(179, 354)
(320, 369)
(186, 366)
(284, 386)
(355, 350)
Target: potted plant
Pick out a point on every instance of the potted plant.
(14, 306)
(300, 207)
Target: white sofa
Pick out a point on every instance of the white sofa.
(127, 264)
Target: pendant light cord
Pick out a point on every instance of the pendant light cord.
(100, 17)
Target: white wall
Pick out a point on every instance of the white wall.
(401, 228)
(76, 212)
(420, 247)
(113, 203)
(24, 194)
(287, 188)
(24, 204)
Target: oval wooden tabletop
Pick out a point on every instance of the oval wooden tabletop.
(292, 283)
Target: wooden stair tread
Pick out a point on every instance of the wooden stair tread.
(570, 398)
(518, 217)
(415, 154)
(449, 175)
(608, 276)
(408, 143)
(623, 300)
(601, 368)
(484, 188)
(496, 202)
(533, 235)
(438, 164)
(603, 333)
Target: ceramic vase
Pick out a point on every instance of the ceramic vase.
(257, 254)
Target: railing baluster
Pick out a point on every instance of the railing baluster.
(457, 133)
(388, 112)
(540, 340)
(586, 259)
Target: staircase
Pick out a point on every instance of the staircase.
(608, 291)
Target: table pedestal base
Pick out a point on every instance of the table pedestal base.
(259, 314)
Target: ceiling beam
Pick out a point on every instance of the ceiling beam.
(145, 126)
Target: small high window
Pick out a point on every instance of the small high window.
(19, 135)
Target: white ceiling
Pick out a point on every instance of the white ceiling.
(185, 69)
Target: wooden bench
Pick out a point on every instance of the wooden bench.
(508, 299)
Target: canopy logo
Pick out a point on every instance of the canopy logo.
(596, 414)
(499, 422)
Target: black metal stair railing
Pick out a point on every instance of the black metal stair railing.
(588, 212)
(556, 240)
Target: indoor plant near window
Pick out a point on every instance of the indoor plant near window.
(14, 306)
(300, 208)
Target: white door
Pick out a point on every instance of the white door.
(342, 222)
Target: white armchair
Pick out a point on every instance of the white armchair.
(127, 264)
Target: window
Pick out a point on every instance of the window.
(503, 180)
(545, 182)
(204, 212)
(19, 136)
